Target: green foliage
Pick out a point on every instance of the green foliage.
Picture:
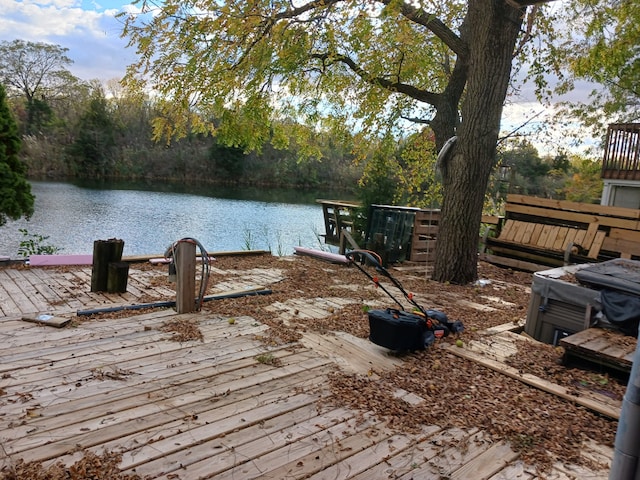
(602, 47)
(95, 140)
(585, 185)
(402, 173)
(33, 244)
(16, 199)
(417, 182)
(378, 184)
(527, 171)
(228, 161)
(36, 71)
(338, 62)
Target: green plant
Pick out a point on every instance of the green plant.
(280, 249)
(33, 244)
(248, 240)
(321, 243)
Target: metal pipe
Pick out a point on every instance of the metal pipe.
(170, 303)
(624, 465)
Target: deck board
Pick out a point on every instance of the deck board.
(206, 408)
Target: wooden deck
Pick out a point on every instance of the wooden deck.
(224, 407)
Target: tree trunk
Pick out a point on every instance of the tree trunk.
(494, 26)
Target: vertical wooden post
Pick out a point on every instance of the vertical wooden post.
(118, 276)
(104, 252)
(185, 260)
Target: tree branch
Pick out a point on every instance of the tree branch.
(423, 121)
(409, 90)
(434, 25)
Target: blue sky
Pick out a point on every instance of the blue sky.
(88, 29)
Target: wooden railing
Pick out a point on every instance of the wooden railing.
(621, 159)
(338, 215)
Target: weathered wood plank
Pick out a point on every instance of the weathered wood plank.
(34, 380)
(487, 464)
(224, 413)
(561, 238)
(537, 382)
(572, 233)
(22, 293)
(513, 263)
(599, 345)
(581, 337)
(58, 425)
(535, 235)
(369, 458)
(522, 227)
(552, 237)
(94, 385)
(544, 235)
(579, 238)
(450, 459)
(506, 232)
(515, 471)
(573, 206)
(224, 435)
(300, 458)
(594, 251)
(7, 304)
(569, 216)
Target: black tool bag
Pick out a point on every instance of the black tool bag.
(399, 330)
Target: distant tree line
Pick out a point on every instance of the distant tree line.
(77, 129)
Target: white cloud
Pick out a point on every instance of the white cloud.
(92, 36)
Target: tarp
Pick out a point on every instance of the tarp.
(618, 274)
(53, 260)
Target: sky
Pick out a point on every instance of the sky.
(91, 32)
(87, 28)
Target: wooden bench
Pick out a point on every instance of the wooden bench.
(538, 233)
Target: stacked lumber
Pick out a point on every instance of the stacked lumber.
(538, 233)
(424, 235)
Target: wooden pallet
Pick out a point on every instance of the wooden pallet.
(608, 348)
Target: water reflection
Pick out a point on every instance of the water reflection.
(148, 220)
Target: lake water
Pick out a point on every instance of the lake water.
(149, 218)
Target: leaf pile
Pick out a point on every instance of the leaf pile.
(89, 467)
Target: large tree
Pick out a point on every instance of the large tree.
(38, 72)
(16, 199)
(365, 64)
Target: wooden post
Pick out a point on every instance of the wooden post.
(118, 276)
(104, 252)
(185, 260)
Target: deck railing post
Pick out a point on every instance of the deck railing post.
(185, 260)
